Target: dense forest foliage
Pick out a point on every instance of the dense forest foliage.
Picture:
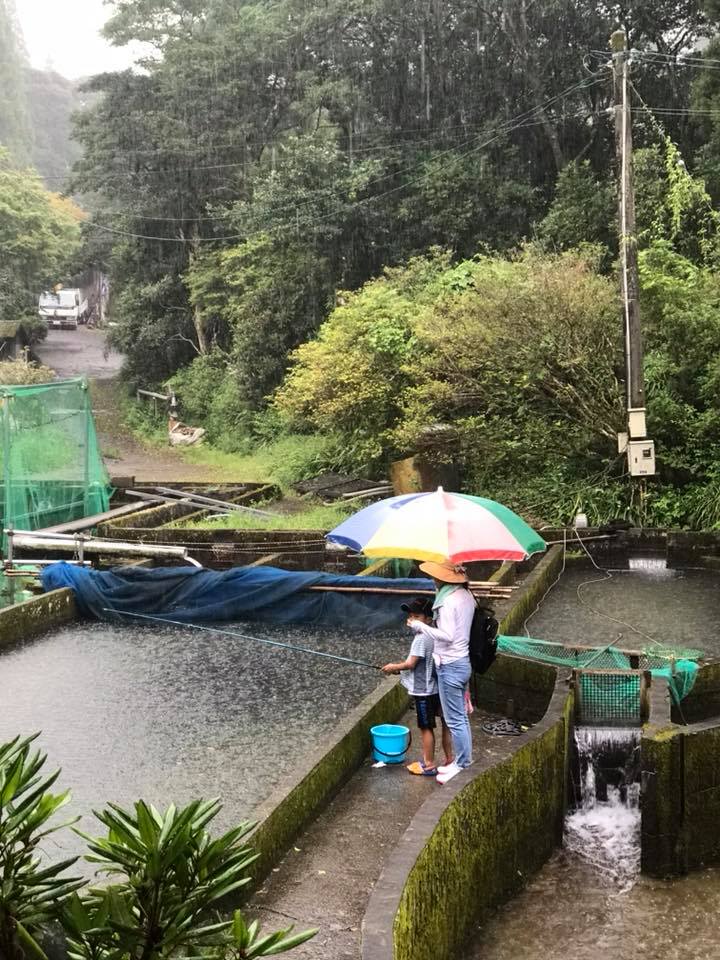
(39, 235)
(390, 227)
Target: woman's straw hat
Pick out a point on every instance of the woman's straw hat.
(446, 571)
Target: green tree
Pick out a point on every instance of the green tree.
(583, 211)
(367, 131)
(38, 236)
(14, 123)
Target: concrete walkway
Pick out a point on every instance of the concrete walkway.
(325, 881)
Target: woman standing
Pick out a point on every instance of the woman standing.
(454, 608)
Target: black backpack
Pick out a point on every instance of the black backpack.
(483, 639)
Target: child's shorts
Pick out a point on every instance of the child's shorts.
(427, 708)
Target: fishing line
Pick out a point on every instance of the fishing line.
(245, 636)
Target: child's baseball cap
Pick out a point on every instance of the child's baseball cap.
(421, 605)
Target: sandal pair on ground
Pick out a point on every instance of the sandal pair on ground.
(442, 773)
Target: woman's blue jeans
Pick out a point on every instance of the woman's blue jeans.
(452, 680)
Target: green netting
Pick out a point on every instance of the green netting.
(676, 665)
(610, 698)
(52, 470)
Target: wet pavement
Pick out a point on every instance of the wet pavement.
(326, 878)
(79, 353)
(325, 881)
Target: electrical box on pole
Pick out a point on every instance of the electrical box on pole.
(641, 461)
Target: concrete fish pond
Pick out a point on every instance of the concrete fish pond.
(171, 712)
(621, 912)
(167, 713)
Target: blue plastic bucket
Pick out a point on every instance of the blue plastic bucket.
(391, 742)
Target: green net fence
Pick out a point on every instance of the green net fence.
(52, 470)
(675, 664)
(610, 698)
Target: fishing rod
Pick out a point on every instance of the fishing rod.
(245, 636)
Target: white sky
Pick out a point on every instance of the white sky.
(66, 33)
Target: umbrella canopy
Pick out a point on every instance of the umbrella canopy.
(439, 526)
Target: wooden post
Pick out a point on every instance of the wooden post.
(629, 283)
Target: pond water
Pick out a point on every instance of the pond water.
(171, 714)
(677, 608)
(589, 902)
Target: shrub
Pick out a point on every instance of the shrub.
(31, 893)
(168, 875)
(20, 372)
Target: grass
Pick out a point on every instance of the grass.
(254, 467)
(315, 516)
(284, 461)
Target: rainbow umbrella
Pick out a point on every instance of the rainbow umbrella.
(439, 526)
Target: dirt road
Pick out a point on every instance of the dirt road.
(79, 353)
(82, 352)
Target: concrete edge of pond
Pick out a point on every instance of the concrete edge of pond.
(680, 789)
(25, 620)
(472, 846)
(428, 898)
(283, 816)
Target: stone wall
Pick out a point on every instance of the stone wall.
(24, 620)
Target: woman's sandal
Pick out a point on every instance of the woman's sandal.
(420, 769)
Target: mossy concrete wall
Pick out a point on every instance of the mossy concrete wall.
(21, 621)
(680, 798)
(517, 687)
(472, 846)
(703, 701)
(680, 806)
(285, 813)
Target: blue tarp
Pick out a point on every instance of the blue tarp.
(194, 595)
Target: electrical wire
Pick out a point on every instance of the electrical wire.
(310, 200)
(504, 130)
(608, 575)
(665, 59)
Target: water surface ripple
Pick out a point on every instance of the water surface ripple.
(171, 714)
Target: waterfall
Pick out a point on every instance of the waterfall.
(604, 827)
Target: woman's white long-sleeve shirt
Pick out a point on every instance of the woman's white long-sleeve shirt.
(451, 636)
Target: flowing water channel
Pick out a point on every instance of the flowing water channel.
(590, 902)
(170, 714)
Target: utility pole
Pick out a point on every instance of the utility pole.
(640, 450)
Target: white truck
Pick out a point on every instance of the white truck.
(64, 308)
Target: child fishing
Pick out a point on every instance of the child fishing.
(417, 675)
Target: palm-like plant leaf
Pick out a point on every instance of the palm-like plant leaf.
(31, 893)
